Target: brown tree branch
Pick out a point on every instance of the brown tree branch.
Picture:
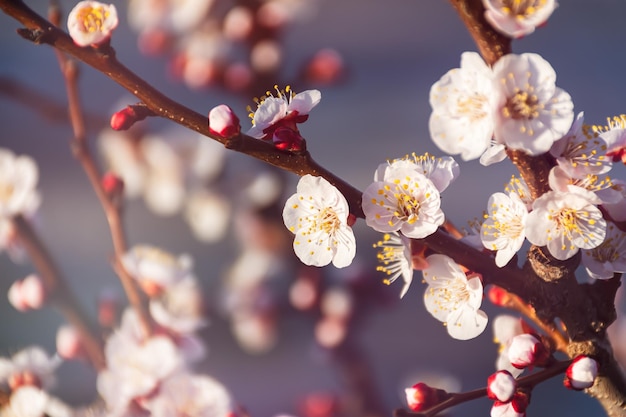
(59, 292)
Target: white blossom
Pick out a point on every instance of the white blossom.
(155, 266)
(441, 171)
(91, 22)
(406, 201)
(516, 18)
(208, 215)
(285, 107)
(532, 113)
(318, 216)
(179, 307)
(565, 222)
(581, 151)
(394, 259)
(463, 103)
(18, 182)
(191, 396)
(608, 258)
(453, 299)
(503, 228)
(29, 366)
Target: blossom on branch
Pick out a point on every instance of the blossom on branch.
(565, 222)
(463, 103)
(516, 18)
(454, 299)
(532, 112)
(29, 366)
(501, 386)
(91, 22)
(394, 259)
(527, 350)
(318, 215)
(608, 258)
(581, 374)
(276, 117)
(404, 200)
(503, 228)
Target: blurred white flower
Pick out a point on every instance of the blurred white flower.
(179, 307)
(453, 299)
(18, 182)
(171, 15)
(318, 214)
(617, 209)
(504, 225)
(406, 201)
(135, 368)
(532, 112)
(28, 294)
(565, 222)
(91, 22)
(463, 103)
(191, 396)
(31, 401)
(608, 258)
(516, 18)
(122, 156)
(208, 215)
(154, 267)
(29, 366)
(394, 258)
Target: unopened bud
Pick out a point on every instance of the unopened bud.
(223, 121)
(514, 408)
(527, 350)
(69, 344)
(326, 67)
(421, 396)
(108, 309)
(28, 294)
(112, 184)
(123, 119)
(581, 374)
(499, 296)
(501, 386)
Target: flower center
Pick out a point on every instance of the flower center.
(328, 221)
(6, 191)
(473, 106)
(522, 106)
(93, 18)
(522, 8)
(408, 206)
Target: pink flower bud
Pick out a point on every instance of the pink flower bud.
(326, 67)
(499, 296)
(69, 344)
(526, 350)
(501, 386)
(28, 294)
(223, 121)
(108, 309)
(581, 374)
(123, 119)
(112, 184)
(421, 397)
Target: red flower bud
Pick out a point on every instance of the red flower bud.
(581, 374)
(421, 397)
(527, 350)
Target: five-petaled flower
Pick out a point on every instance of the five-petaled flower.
(532, 112)
(503, 228)
(404, 200)
(318, 215)
(517, 18)
(91, 22)
(463, 103)
(565, 222)
(454, 299)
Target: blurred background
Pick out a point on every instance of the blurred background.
(387, 55)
